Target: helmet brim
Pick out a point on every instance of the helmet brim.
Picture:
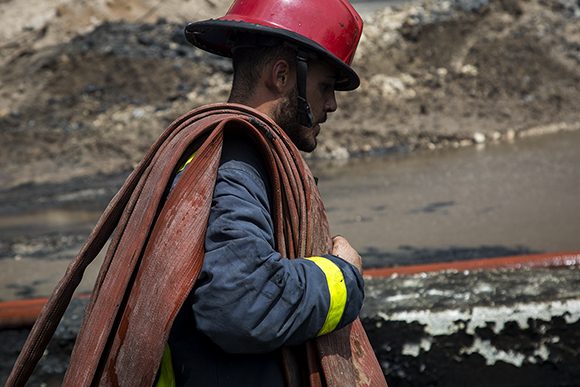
(220, 36)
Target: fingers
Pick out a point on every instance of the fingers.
(342, 249)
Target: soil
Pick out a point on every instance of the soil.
(87, 86)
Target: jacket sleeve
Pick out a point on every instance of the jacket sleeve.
(250, 299)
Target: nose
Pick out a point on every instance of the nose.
(331, 105)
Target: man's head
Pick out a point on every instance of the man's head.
(292, 80)
(265, 78)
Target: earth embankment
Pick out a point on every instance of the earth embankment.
(87, 87)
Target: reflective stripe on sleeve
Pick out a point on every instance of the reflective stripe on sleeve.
(166, 375)
(189, 160)
(337, 290)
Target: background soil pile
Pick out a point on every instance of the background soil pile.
(87, 86)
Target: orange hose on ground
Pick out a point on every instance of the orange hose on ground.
(515, 262)
(20, 313)
(23, 313)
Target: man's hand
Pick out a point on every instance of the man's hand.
(342, 249)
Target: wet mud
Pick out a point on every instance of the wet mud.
(492, 327)
(480, 328)
(86, 90)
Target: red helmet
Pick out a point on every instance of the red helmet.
(331, 29)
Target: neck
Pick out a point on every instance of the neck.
(260, 103)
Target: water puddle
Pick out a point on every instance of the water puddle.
(501, 199)
(53, 220)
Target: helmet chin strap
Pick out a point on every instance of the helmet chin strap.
(304, 113)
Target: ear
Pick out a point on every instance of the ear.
(279, 77)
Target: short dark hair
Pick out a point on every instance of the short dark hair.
(250, 61)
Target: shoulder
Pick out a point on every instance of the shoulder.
(241, 155)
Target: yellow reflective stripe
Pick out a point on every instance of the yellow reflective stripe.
(187, 162)
(166, 375)
(337, 290)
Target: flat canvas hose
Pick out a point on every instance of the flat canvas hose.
(138, 292)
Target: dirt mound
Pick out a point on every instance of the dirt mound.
(95, 103)
(49, 22)
(433, 74)
(450, 70)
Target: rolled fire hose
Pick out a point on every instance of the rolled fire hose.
(138, 293)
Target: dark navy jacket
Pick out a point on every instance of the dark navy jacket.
(249, 300)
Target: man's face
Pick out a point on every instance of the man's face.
(321, 98)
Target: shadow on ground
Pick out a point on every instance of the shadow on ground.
(409, 255)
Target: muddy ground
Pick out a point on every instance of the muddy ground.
(447, 328)
(86, 87)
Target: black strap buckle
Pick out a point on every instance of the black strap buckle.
(305, 117)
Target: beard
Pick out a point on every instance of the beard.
(286, 116)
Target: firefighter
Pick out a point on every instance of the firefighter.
(289, 57)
